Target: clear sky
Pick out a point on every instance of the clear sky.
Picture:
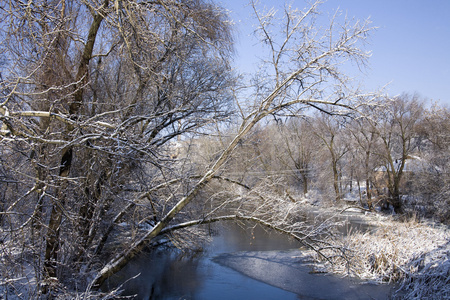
(410, 48)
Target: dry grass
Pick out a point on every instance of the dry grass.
(431, 280)
(414, 254)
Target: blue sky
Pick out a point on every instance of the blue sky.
(410, 48)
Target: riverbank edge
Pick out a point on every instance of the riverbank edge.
(412, 253)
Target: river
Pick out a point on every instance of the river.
(241, 262)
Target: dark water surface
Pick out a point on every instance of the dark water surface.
(240, 263)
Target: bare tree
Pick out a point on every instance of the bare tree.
(330, 132)
(430, 181)
(365, 141)
(301, 146)
(395, 122)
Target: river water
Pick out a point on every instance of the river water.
(241, 262)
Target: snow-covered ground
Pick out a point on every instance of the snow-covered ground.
(413, 254)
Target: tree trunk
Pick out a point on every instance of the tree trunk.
(53, 238)
(336, 179)
(52, 245)
(305, 182)
(395, 195)
(369, 194)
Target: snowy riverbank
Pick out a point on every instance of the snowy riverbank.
(413, 254)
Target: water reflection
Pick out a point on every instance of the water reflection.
(165, 275)
(171, 275)
(242, 262)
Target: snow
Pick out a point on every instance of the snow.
(431, 276)
(414, 254)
